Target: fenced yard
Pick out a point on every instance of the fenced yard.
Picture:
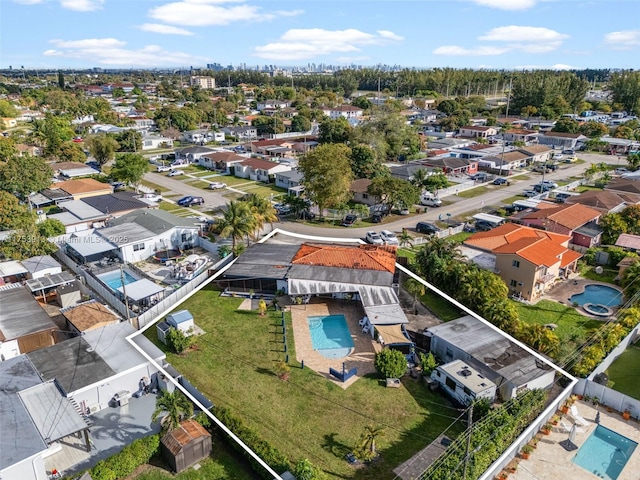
(307, 416)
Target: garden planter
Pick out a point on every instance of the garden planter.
(525, 456)
(564, 409)
(546, 431)
(626, 414)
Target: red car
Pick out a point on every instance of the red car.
(78, 140)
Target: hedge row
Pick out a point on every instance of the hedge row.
(124, 463)
(272, 456)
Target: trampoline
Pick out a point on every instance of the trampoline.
(163, 256)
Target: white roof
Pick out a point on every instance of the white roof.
(91, 244)
(12, 267)
(80, 172)
(81, 210)
(141, 289)
(488, 217)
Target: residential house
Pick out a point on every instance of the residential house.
(202, 136)
(138, 235)
(291, 181)
(24, 325)
(99, 128)
(143, 123)
(628, 242)
(537, 153)
(9, 122)
(242, 133)
(346, 111)
(407, 171)
(504, 162)
(605, 201)
(192, 154)
(222, 160)
(73, 169)
(489, 352)
(206, 83)
(259, 170)
(12, 271)
(272, 104)
(83, 188)
(623, 186)
(41, 266)
(470, 131)
(620, 146)
(153, 142)
(359, 191)
(114, 204)
(463, 384)
(452, 165)
(528, 260)
(448, 143)
(32, 150)
(562, 141)
(564, 219)
(520, 135)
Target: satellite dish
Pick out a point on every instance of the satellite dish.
(599, 270)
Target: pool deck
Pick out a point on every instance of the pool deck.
(550, 461)
(364, 350)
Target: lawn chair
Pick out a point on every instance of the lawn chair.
(577, 417)
(567, 428)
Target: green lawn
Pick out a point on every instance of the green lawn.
(263, 189)
(406, 252)
(608, 273)
(233, 181)
(175, 209)
(206, 173)
(198, 183)
(155, 186)
(459, 237)
(585, 188)
(440, 307)
(572, 328)
(474, 192)
(624, 375)
(308, 416)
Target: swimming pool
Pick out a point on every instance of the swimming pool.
(330, 335)
(114, 279)
(605, 453)
(598, 295)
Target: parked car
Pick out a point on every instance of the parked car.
(217, 185)
(549, 183)
(184, 200)
(484, 226)
(541, 188)
(376, 217)
(389, 237)
(426, 227)
(349, 220)
(282, 208)
(620, 171)
(306, 215)
(553, 167)
(374, 238)
(164, 168)
(431, 201)
(195, 201)
(529, 193)
(154, 197)
(78, 140)
(175, 173)
(500, 181)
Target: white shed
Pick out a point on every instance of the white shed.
(182, 320)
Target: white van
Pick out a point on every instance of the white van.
(429, 200)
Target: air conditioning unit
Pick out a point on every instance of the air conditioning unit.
(94, 408)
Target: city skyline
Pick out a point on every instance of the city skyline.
(492, 34)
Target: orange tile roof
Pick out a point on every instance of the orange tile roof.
(570, 216)
(569, 257)
(509, 233)
(540, 251)
(360, 257)
(82, 185)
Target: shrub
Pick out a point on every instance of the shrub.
(178, 341)
(428, 363)
(390, 363)
(305, 470)
(124, 463)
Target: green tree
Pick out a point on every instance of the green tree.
(327, 175)
(390, 136)
(237, 222)
(130, 168)
(335, 130)
(102, 147)
(53, 130)
(262, 211)
(7, 148)
(268, 125)
(405, 238)
(625, 90)
(435, 181)
(633, 160)
(7, 109)
(366, 448)
(129, 141)
(305, 470)
(566, 125)
(630, 283)
(118, 92)
(61, 80)
(390, 363)
(51, 227)
(300, 123)
(612, 225)
(71, 152)
(361, 102)
(364, 163)
(428, 363)
(178, 341)
(25, 175)
(593, 129)
(416, 289)
(175, 407)
(12, 213)
(26, 243)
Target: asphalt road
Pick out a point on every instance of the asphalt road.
(453, 205)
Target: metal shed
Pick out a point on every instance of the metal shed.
(186, 445)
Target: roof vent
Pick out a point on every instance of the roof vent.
(465, 373)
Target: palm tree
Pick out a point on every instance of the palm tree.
(630, 283)
(175, 405)
(367, 444)
(262, 211)
(419, 177)
(237, 222)
(415, 288)
(405, 238)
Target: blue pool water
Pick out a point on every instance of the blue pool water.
(605, 453)
(114, 279)
(598, 294)
(330, 335)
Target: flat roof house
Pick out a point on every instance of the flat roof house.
(463, 383)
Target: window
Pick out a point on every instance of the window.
(515, 263)
(450, 383)
(467, 391)
(365, 196)
(449, 352)
(137, 247)
(513, 283)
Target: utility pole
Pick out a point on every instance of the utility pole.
(124, 292)
(466, 453)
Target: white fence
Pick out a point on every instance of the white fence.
(444, 233)
(455, 189)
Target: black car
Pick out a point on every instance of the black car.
(500, 181)
(196, 201)
(425, 227)
(349, 220)
(484, 226)
(184, 201)
(306, 215)
(542, 187)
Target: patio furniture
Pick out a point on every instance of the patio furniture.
(577, 417)
(567, 428)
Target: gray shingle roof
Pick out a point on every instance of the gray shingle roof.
(115, 202)
(21, 314)
(156, 221)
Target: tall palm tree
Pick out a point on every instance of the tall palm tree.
(175, 406)
(419, 177)
(405, 238)
(236, 222)
(262, 211)
(630, 283)
(415, 288)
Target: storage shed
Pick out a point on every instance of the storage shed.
(186, 445)
(182, 320)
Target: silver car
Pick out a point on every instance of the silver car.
(374, 238)
(389, 238)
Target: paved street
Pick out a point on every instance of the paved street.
(215, 199)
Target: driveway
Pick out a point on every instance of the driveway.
(212, 199)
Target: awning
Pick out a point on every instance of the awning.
(393, 335)
(385, 315)
(12, 267)
(88, 245)
(489, 218)
(141, 289)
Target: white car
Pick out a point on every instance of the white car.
(164, 168)
(176, 173)
(153, 197)
(374, 238)
(217, 185)
(431, 201)
(389, 238)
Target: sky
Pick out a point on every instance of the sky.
(492, 34)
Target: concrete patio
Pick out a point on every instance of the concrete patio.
(550, 461)
(112, 429)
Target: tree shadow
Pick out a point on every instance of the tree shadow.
(265, 371)
(334, 446)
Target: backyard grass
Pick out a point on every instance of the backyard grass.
(474, 192)
(308, 416)
(406, 252)
(440, 307)
(623, 373)
(586, 188)
(572, 327)
(608, 274)
(459, 237)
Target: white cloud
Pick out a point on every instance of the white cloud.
(514, 38)
(82, 5)
(507, 4)
(201, 13)
(557, 66)
(300, 44)
(164, 29)
(623, 40)
(111, 51)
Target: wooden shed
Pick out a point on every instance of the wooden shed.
(186, 445)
